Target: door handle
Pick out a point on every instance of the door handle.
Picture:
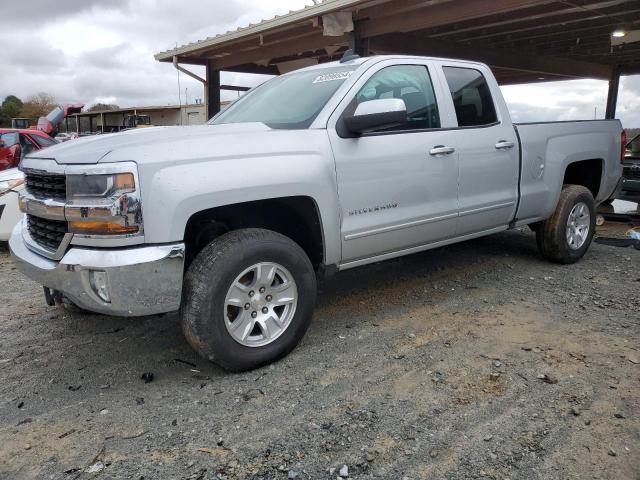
(441, 150)
(504, 145)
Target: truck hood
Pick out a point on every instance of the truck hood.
(139, 144)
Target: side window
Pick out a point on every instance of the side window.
(471, 97)
(27, 145)
(410, 83)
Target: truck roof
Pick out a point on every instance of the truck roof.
(378, 58)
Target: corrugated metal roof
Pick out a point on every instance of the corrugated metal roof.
(306, 13)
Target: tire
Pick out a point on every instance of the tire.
(553, 239)
(208, 316)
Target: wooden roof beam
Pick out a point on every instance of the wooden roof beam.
(540, 14)
(401, 44)
(442, 14)
(552, 31)
(283, 49)
(543, 26)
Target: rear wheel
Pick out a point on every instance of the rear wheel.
(567, 234)
(248, 298)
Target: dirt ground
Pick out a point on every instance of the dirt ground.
(478, 360)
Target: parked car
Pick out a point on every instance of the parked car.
(631, 171)
(65, 137)
(230, 222)
(16, 143)
(11, 183)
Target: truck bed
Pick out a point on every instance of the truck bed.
(546, 148)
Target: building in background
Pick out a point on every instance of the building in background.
(107, 121)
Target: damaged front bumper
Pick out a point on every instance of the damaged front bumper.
(126, 282)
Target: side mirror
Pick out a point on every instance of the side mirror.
(377, 114)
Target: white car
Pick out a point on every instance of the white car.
(63, 137)
(11, 182)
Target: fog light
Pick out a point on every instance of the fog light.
(98, 281)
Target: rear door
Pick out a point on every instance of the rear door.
(397, 187)
(487, 148)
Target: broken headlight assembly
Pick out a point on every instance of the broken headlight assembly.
(103, 204)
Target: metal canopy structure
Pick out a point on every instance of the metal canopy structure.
(522, 40)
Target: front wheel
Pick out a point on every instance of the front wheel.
(567, 234)
(248, 298)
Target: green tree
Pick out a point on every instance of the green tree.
(102, 106)
(96, 107)
(11, 108)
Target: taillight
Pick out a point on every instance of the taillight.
(623, 145)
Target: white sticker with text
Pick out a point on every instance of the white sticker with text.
(328, 77)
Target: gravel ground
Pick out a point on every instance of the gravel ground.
(478, 360)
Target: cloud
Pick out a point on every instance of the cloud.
(45, 11)
(92, 50)
(86, 51)
(572, 100)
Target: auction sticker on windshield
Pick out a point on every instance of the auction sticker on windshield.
(333, 76)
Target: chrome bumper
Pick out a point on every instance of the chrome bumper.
(137, 281)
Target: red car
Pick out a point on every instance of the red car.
(15, 144)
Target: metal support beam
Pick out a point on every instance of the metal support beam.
(358, 44)
(234, 88)
(212, 90)
(612, 95)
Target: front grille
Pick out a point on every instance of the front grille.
(46, 185)
(47, 233)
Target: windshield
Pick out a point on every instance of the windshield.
(10, 139)
(291, 101)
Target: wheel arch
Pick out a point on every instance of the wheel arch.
(297, 217)
(588, 173)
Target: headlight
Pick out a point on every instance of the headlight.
(8, 185)
(99, 186)
(104, 204)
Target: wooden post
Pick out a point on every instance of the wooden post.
(212, 91)
(612, 95)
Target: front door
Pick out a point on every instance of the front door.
(397, 187)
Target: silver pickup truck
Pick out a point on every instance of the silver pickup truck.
(319, 170)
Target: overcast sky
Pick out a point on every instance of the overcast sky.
(102, 51)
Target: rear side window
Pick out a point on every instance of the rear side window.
(471, 97)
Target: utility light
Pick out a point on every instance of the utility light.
(619, 33)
